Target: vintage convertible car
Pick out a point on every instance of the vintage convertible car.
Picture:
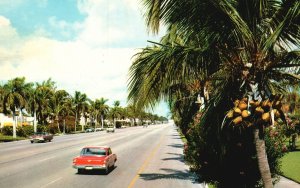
(95, 158)
(41, 137)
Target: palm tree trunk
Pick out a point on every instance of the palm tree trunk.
(263, 164)
(34, 122)
(102, 121)
(14, 125)
(75, 122)
(56, 118)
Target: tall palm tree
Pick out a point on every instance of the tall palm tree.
(15, 98)
(243, 48)
(115, 112)
(81, 106)
(58, 104)
(102, 109)
(43, 95)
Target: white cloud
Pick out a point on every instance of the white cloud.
(82, 64)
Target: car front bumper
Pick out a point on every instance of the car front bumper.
(37, 140)
(90, 167)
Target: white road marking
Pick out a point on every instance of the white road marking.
(46, 159)
(51, 182)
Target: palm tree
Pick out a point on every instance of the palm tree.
(15, 98)
(242, 48)
(115, 112)
(132, 113)
(42, 97)
(58, 104)
(102, 109)
(81, 106)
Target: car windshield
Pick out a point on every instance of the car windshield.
(93, 151)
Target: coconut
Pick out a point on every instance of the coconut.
(245, 99)
(276, 113)
(242, 105)
(245, 113)
(237, 120)
(266, 104)
(259, 110)
(229, 115)
(266, 117)
(236, 102)
(236, 111)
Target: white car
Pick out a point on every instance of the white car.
(110, 129)
(99, 129)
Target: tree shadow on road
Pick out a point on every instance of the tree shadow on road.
(176, 145)
(178, 157)
(170, 174)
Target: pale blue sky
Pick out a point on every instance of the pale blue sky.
(84, 45)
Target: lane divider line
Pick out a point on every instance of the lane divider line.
(145, 163)
(51, 182)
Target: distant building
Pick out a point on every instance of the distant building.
(8, 120)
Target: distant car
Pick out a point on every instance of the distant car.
(95, 158)
(89, 130)
(110, 129)
(99, 129)
(41, 137)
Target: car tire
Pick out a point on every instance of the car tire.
(79, 171)
(106, 171)
(113, 166)
(31, 141)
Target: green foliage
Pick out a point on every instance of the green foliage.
(7, 130)
(25, 131)
(275, 148)
(5, 138)
(230, 160)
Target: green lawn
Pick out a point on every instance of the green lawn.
(4, 138)
(291, 164)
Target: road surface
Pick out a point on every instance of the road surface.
(147, 157)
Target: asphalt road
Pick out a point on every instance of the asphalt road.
(147, 157)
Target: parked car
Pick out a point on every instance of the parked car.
(89, 130)
(41, 137)
(110, 129)
(95, 158)
(99, 129)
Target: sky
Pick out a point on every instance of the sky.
(82, 45)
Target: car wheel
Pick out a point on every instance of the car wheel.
(113, 166)
(107, 170)
(31, 141)
(79, 171)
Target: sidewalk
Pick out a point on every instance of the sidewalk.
(286, 183)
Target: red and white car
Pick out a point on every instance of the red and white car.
(95, 158)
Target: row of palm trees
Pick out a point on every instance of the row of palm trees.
(47, 104)
(221, 50)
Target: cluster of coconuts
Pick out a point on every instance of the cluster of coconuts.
(261, 110)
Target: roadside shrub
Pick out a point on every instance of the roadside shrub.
(275, 148)
(25, 131)
(230, 160)
(7, 130)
